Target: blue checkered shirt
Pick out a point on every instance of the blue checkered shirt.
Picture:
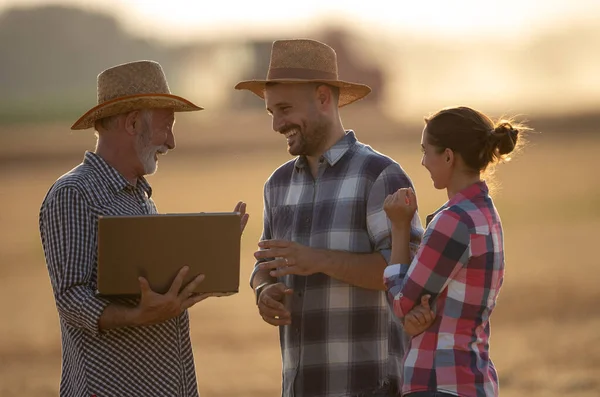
(342, 340)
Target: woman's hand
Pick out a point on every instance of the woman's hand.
(401, 206)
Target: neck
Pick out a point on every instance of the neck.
(460, 182)
(120, 159)
(334, 134)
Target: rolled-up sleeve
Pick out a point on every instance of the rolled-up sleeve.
(444, 251)
(67, 228)
(388, 182)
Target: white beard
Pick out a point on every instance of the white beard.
(146, 152)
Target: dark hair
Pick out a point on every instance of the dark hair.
(335, 91)
(477, 138)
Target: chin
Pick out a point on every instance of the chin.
(150, 168)
(438, 185)
(295, 151)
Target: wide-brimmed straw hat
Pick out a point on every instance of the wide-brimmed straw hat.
(305, 61)
(132, 86)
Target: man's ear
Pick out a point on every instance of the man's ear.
(132, 121)
(324, 96)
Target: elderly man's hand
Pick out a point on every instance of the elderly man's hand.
(241, 208)
(156, 308)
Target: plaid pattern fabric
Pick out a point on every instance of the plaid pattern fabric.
(461, 264)
(342, 340)
(152, 360)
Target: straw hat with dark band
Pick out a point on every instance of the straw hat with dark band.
(305, 61)
(132, 86)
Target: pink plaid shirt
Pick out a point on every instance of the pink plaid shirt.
(461, 264)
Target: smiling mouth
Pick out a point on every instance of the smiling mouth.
(291, 133)
(159, 153)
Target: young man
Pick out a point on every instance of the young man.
(326, 239)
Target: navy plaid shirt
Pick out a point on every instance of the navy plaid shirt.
(342, 340)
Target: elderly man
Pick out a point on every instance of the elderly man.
(326, 239)
(124, 347)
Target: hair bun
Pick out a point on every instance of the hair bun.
(505, 137)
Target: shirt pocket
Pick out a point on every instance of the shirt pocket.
(282, 222)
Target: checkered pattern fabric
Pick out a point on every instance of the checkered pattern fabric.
(342, 340)
(138, 361)
(461, 264)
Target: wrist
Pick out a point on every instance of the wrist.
(401, 225)
(332, 263)
(135, 316)
(259, 289)
(324, 262)
(401, 233)
(118, 316)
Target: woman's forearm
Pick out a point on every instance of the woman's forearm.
(400, 244)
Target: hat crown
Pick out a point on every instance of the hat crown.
(297, 61)
(134, 78)
(302, 54)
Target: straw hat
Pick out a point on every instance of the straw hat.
(132, 86)
(305, 61)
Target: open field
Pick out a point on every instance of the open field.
(546, 329)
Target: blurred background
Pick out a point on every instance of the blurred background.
(536, 60)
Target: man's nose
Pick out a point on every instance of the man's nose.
(277, 124)
(170, 141)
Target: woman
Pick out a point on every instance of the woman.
(460, 263)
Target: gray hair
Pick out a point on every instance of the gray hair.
(108, 123)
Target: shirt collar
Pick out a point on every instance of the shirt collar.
(110, 175)
(467, 193)
(334, 153)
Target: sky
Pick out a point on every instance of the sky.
(462, 70)
(181, 20)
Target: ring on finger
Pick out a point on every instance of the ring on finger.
(287, 262)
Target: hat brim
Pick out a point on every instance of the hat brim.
(349, 92)
(133, 102)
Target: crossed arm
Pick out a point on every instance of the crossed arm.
(443, 253)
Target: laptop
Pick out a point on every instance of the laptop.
(157, 246)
